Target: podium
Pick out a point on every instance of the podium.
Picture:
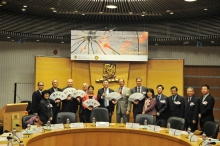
(11, 114)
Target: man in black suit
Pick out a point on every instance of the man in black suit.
(175, 104)
(79, 102)
(207, 103)
(161, 107)
(55, 103)
(37, 97)
(191, 110)
(138, 105)
(102, 93)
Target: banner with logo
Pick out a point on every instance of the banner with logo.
(109, 45)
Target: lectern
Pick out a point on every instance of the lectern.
(11, 114)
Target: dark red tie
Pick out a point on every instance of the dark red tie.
(121, 91)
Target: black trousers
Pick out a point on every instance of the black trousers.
(192, 126)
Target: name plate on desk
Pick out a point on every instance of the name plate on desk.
(177, 132)
(154, 128)
(193, 138)
(76, 125)
(37, 129)
(102, 124)
(133, 125)
(57, 126)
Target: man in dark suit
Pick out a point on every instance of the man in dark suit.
(175, 104)
(79, 103)
(138, 105)
(55, 103)
(191, 110)
(37, 97)
(161, 107)
(207, 103)
(102, 93)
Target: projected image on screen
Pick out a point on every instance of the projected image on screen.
(109, 45)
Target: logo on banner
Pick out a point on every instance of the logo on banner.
(109, 71)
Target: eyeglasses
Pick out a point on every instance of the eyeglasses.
(40, 85)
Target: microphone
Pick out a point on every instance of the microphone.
(17, 125)
(85, 120)
(177, 128)
(18, 97)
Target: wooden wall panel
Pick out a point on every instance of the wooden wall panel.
(196, 81)
(166, 72)
(80, 73)
(202, 70)
(47, 69)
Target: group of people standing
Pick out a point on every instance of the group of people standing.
(193, 109)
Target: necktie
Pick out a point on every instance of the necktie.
(173, 98)
(121, 91)
(158, 99)
(138, 89)
(105, 100)
(189, 98)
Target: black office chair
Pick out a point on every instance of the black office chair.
(61, 117)
(141, 117)
(101, 114)
(25, 119)
(161, 123)
(176, 123)
(211, 129)
(29, 107)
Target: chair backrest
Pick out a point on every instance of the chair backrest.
(25, 119)
(62, 116)
(211, 129)
(176, 123)
(29, 107)
(141, 117)
(101, 114)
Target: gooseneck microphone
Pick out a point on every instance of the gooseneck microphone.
(17, 125)
(177, 128)
(85, 120)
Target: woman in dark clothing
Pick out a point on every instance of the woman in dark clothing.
(46, 112)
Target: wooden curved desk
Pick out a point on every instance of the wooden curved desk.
(113, 136)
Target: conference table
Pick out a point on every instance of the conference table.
(106, 136)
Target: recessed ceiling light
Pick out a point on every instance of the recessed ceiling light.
(190, 0)
(8, 37)
(12, 40)
(54, 11)
(83, 14)
(205, 9)
(212, 42)
(130, 13)
(171, 13)
(76, 11)
(111, 6)
(24, 6)
(37, 40)
(62, 42)
(52, 8)
(4, 2)
(142, 15)
(23, 9)
(0, 5)
(100, 12)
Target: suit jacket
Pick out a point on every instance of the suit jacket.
(176, 110)
(191, 109)
(45, 110)
(151, 108)
(36, 98)
(161, 107)
(206, 110)
(123, 104)
(137, 108)
(101, 101)
(55, 108)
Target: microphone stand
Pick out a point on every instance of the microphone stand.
(17, 125)
(177, 128)
(85, 121)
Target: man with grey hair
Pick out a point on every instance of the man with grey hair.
(191, 110)
(137, 104)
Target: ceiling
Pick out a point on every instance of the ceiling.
(127, 11)
(52, 20)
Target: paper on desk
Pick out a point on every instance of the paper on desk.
(6, 134)
(3, 139)
(184, 132)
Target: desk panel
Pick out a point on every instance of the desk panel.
(113, 136)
